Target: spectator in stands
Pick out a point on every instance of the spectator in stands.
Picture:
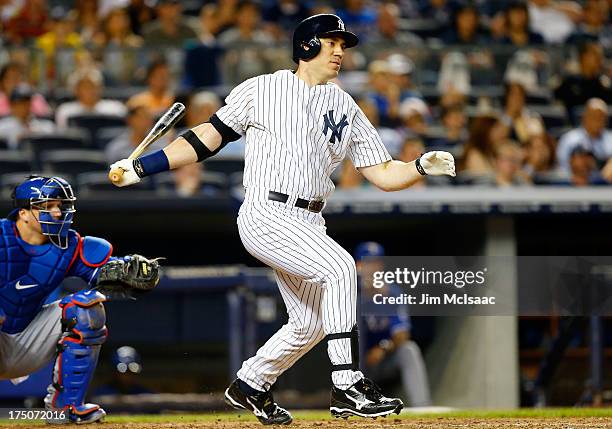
(412, 148)
(387, 28)
(159, 95)
(87, 22)
(201, 107)
(284, 15)
(11, 75)
(401, 69)
(62, 34)
(594, 26)
(359, 17)
(553, 19)
(517, 26)
(383, 92)
(509, 157)
(440, 11)
(390, 354)
(592, 136)
(516, 117)
(349, 177)
(583, 168)
(479, 155)
(140, 12)
(139, 122)
(466, 28)
(188, 179)
(117, 32)
(170, 28)
(575, 90)
(540, 160)
(87, 87)
(454, 121)
(454, 80)
(21, 121)
(248, 26)
(414, 114)
(209, 24)
(29, 22)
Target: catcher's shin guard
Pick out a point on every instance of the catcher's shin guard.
(83, 319)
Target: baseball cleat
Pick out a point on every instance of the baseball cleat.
(363, 399)
(262, 405)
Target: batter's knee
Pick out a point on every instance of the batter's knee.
(84, 318)
(306, 334)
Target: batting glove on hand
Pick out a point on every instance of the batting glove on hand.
(438, 163)
(129, 175)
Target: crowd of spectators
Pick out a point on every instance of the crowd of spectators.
(518, 91)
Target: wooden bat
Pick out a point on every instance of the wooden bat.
(161, 127)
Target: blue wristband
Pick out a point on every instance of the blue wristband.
(153, 163)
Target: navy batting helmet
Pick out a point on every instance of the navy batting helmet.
(306, 43)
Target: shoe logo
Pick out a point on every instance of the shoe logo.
(256, 411)
(19, 286)
(358, 403)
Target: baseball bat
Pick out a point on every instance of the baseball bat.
(161, 127)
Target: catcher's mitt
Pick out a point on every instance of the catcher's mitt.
(128, 277)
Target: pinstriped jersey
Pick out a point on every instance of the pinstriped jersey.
(297, 135)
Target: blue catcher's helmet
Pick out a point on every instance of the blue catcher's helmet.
(127, 359)
(36, 193)
(368, 249)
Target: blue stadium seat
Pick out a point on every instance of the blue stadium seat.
(554, 116)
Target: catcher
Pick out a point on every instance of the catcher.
(38, 250)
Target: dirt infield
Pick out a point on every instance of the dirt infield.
(412, 423)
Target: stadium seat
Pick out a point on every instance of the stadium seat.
(73, 161)
(554, 116)
(97, 182)
(226, 166)
(213, 184)
(3, 144)
(38, 144)
(106, 135)
(94, 124)
(12, 161)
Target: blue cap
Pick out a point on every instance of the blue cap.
(368, 248)
(127, 359)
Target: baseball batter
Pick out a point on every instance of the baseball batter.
(299, 127)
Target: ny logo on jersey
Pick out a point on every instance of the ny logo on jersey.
(335, 128)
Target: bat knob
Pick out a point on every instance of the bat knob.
(115, 175)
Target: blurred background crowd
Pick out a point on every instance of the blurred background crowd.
(518, 91)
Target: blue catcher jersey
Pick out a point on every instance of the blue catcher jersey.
(28, 274)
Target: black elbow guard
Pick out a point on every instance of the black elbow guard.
(227, 135)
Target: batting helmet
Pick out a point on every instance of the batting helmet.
(35, 193)
(368, 249)
(306, 43)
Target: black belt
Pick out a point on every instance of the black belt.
(314, 206)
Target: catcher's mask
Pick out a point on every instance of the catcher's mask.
(37, 193)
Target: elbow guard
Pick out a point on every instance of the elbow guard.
(227, 135)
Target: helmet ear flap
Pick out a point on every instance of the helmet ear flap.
(310, 48)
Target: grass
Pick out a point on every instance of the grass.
(324, 415)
